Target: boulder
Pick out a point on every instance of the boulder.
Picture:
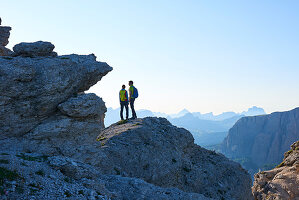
(83, 105)
(281, 182)
(32, 88)
(38, 48)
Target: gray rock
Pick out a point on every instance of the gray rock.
(32, 88)
(262, 139)
(133, 188)
(4, 35)
(150, 149)
(38, 48)
(84, 105)
(5, 51)
(281, 182)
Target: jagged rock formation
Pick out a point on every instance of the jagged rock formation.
(53, 146)
(4, 35)
(282, 182)
(263, 139)
(32, 88)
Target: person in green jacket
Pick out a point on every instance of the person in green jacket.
(123, 99)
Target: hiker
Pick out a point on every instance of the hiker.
(123, 99)
(133, 92)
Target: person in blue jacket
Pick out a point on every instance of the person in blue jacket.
(123, 99)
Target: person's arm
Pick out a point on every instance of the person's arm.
(127, 95)
(130, 92)
(119, 98)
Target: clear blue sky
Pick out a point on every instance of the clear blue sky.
(201, 55)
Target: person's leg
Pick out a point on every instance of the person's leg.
(132, 108)
(121, 111)
(127, 110)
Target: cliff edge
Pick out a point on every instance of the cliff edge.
(281, 182)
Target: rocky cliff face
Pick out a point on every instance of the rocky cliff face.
(52, 142)
(282, 182)
(4, 35)
(263, 139)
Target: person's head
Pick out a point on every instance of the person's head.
(130, 83)
(123, 86)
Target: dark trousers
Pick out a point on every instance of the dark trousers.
(132, 100)
(122, 105)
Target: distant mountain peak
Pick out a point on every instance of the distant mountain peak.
(254, 110)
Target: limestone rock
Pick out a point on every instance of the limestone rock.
(38, 48)
(32, 88)
(159, 153)
(281, 182)
(262, 139)
(84, 105)
(4, 35)
(37, 176)
(5, 51)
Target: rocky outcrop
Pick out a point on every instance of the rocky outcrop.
(156, 151)
(263, 139)
(53, 146)
(282, 182)
(32, 88)
(4, 35)
(149, 149)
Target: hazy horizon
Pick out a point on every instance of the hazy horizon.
(206, 56)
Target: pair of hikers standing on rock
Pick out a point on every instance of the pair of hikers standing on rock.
(124, 100)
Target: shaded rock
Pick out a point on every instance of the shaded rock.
(4, 35)
(61, 177)
(38, 48)
(281, 182)
(84, 105)
(262, 139)
(5, 51)
(133, 188)
(32, 88)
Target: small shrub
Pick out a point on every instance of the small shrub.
(68, 180)
(19, 189)
(7, 58)
(145, 167)
(32, 158)
(32, 191)
(117, 171)
(6, 174)
(280, 165)
(40, 172)
(186, 169)
(81, 192)
(3, 161)
(64, 58)
(67, 193)
(122, 122)
(174, 160)
(4, 154)
(101, 138)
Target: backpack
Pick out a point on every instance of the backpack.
(135, 93)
